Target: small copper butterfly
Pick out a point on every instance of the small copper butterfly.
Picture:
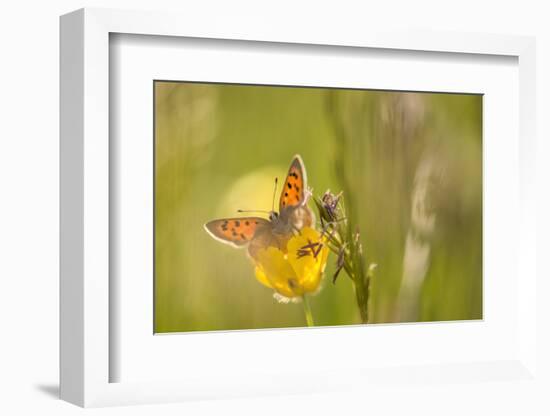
(258, 233)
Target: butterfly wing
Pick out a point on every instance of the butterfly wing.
(236, 232)
(293, 209)
(294, 189)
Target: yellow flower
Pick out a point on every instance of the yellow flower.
(296, 271)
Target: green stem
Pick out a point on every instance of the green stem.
(307, 311)
(362, 289)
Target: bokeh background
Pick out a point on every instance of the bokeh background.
(410, 166)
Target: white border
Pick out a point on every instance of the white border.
(85, 203)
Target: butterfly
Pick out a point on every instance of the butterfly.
(258, 233)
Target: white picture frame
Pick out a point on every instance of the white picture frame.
(85, 213)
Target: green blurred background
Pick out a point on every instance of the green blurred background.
(410, 166)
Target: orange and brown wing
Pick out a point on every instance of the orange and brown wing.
(293, 192)
(235, 231)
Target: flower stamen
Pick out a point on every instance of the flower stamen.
(313, 248)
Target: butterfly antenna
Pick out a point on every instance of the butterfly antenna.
(252, 210)
(259, 210)
(274, 194)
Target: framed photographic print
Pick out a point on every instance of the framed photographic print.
(286, 198)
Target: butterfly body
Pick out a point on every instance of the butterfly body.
(257, 232)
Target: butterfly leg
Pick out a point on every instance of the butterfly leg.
(296, 230)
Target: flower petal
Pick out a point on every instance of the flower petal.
(277, 271)
(262, 278)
